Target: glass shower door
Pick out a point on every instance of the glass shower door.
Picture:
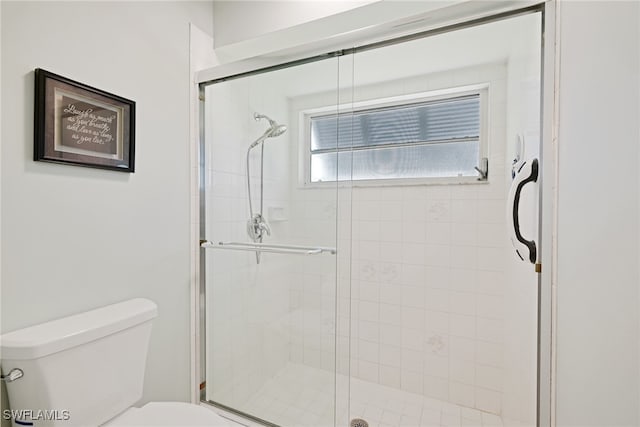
(271, 255)
(444, 311)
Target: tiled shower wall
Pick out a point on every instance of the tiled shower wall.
(427, 291)
(422, 300)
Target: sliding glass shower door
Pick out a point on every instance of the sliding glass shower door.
(446, 330)
(272, 250)
(358, 215)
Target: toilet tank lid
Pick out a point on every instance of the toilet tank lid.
(51, 337)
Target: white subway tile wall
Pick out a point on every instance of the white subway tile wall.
(427, 272)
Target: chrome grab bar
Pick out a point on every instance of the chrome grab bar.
(267, 247)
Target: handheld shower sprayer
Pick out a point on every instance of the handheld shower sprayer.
(274, 130)
(257, 226)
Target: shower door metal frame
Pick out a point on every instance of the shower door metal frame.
(547, 205)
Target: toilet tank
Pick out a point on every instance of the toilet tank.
(84, 369)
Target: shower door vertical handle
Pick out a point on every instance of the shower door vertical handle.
(528, 172)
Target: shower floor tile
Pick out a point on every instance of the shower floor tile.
(300, 395)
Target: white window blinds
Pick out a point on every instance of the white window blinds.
(437, 138)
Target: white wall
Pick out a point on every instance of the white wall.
(4, 402)
(597, 326)
(77, 238)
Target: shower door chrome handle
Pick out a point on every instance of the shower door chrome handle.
(526, 173)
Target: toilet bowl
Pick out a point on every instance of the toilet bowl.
(88, 370)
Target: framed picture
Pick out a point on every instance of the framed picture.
(80, 125)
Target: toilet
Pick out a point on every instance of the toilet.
(88, 370)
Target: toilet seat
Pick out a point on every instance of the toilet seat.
(169, 414)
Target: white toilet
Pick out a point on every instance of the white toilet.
(88, 370)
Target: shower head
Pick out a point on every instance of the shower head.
(277, 131)
(274, 129)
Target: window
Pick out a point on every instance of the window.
(430, 137)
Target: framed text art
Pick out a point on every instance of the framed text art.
(80, 125)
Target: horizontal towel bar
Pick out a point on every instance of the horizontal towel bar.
(267, 247)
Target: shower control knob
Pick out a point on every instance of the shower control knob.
(257, 227)
(264, 228)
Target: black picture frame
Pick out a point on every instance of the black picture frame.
(80, 125)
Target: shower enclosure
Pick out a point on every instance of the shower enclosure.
(356, 209)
